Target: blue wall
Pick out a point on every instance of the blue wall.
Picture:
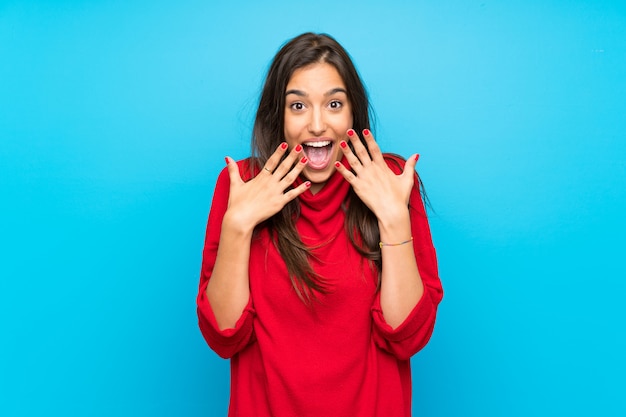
(114, 120)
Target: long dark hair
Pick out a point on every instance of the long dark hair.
(361, 224)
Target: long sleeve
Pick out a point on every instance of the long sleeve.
(227, 342)
(335, 356)
(413, 334)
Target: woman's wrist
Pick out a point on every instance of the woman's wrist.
(395, 226)
(236, 225)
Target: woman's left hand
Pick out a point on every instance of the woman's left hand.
(374, 182)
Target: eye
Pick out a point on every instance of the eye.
(297, 106)
(335, 104)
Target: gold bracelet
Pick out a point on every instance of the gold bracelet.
(381, 244)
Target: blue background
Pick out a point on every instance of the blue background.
(115, 118)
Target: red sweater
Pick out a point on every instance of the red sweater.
(337, 357)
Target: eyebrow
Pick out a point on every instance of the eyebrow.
(301, 93)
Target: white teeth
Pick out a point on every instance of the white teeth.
(319, 144)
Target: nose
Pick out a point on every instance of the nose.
(317, 124)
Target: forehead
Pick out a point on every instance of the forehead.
(319, 75)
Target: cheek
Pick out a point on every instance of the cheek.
(348, 120)
(289, 130)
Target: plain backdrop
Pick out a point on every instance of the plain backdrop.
(115, 117)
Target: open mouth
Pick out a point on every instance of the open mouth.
(318, 153)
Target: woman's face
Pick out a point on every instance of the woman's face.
(317, 116)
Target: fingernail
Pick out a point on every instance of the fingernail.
(337, 164)
(417, 156)
(298, 148)
(308, 184)
(283, 146)
(343, 144)
(226, 159)
(366, 132)
(303, 160)
(350, 132)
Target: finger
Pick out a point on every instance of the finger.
(409, 166)
(233, 170)
(295, 192)
(287, 164)
(291, 176)
(411, 162)
(359, 148)
(350, 156)
(372, 145)
(274, 160)
(345, 172)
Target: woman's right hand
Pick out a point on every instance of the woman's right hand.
(252, 202)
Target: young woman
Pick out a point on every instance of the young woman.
(319, 278)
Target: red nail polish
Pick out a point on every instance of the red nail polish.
(298, 148)
(350, 132)
(303, 160)
(343, 144)
(366, 132)
(226, 159)
(308, 184)
(283, 146)
(417, 156)
(337, 164)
